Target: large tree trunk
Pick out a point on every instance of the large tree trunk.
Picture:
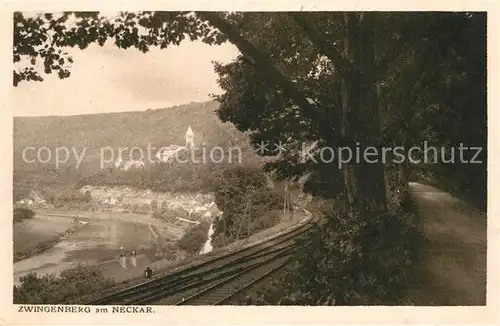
(364, 184)
(365, 191)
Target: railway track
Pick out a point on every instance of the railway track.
(221, 291)
(214, 281)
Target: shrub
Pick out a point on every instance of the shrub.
(22, 214)
(350, 262)
(242, 195)
(195, 237)
(268, 219)
(49, 289)
(154, 205)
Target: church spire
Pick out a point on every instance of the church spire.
(189, 137)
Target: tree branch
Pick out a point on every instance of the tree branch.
(307, 108)
(342, 64)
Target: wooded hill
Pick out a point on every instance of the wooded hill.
(159, 127)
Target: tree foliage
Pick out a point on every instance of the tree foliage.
(242, 195)
(51, 289)
(195, 237)
(43, 37)
(320, 79)
(22, 214)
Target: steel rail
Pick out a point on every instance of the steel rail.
(174, 281)
(251, 283)
(230, 285)
(165, 282)
(199, 281)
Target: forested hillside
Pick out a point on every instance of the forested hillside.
(159, 128)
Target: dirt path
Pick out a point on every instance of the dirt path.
(453, 270)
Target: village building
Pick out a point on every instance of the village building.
(168, 154)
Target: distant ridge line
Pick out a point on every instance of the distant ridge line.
(113, 112)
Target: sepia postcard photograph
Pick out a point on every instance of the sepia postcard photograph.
(265, 160)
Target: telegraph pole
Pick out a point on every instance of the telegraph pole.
(285, 197)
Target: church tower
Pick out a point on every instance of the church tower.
(189, 137)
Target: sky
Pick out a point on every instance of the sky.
(109, 79)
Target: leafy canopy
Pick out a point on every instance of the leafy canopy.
(40, 40)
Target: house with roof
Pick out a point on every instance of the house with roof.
(167, 154)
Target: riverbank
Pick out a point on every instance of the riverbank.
(98, 238)
(165, 266)
(40, 233)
